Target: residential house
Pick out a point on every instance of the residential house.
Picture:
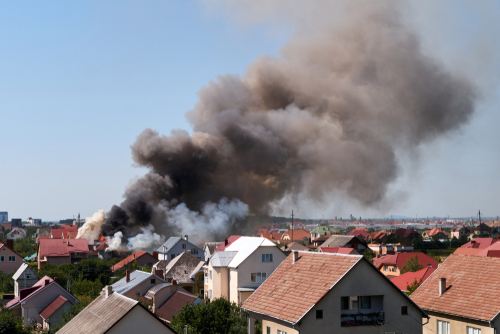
(315, 293)
(187, 270)
(360, 233)
(347, 241)
(33, 302)
(475, 246)
(114, 313)
(391, 265)
(323, 230)
(137, 283)
(404, 280)
(491, 251)
(240, 269)
(209, 248)
(141, 257)
(24, 278)
(293, 246)
(460, 231)
(59, 251)
(481, 231)
(17, 233)
(10, 261)
(462, 296)
(296, 235)
(384, 249)
(407, 234)
(319, 241)
(227, 242)
(168, 299)
(176, 245)
(380, 237)
(101, 251)
(6, 226)
(272, 236)
(259, 230)
(31, 258)
(338, 250)
(435, 233)
(63, 233)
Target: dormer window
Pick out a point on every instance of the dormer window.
(183, 246)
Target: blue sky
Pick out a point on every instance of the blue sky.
(80, 80)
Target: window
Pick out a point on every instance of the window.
(2, 258)
(267, 258)
(183, 246)
(443, 327)
(78, 254)
(28, 276)
(281, 332)
(210, 274)
(472, 330)
(12, 258)
(365, 302)
(404, 310)
(344, 303)
(172, 256)
(258, 277)
(319, 314)
(138, 294)
(194, 251)
(153, 281)
(386, 268)
(209, 294)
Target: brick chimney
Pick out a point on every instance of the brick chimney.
(155, 255)
(127, 275)
(186, 237)
(226, 242)
(295, 256)
(442, 285)
(159, 273)
(10, 244)
(47, 282)
(174, 282)
(56, 279)
(108, 290)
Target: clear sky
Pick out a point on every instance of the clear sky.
(79, 80)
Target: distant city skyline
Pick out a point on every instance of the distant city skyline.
(80, 81)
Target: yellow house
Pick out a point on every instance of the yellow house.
(462, 296)
(241, 268)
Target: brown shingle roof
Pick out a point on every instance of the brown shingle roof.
(175, 304)
(181, 267)
(287, 293)
(472, 288)
(53, 307)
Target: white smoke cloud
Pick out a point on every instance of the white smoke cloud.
(91, 230)
(147, 240)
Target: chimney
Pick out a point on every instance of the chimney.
(442, 285)
(174, 282)
(226, 242)
(295, 257)
(108, 290)
(10, 244)
(155, 255)
(159, 273)
(56, 279)
(47, 281)
(127, 275)
(186, 237)
(164, 249)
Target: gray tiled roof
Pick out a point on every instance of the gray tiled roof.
(222, 259)
(337, 241)
(136, 278)
(171, 242)
(212, 246)
(181, 267)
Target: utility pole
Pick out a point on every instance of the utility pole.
(292, 225)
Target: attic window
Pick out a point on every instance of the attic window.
(183, 246)
(404, 310)
(185, 271)
(153, 281)
(319, 314)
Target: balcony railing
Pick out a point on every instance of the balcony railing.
(362, 319)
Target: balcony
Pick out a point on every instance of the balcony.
(362, 319)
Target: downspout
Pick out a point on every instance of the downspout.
(495, 330)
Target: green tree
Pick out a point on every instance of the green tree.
(410, 288)
(217, 317)
(369, 254)
(9, 324)
(411, 265)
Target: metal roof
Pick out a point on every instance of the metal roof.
(222, 259)
(171, 242)
(151, 292)
(136, 278)
(244, 247)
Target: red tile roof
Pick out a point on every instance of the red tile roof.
(467, 251)
(25, 293)
(102, 246)
(400, 259)
(299, 234)
(403, 280)
(359, 233)
(472, 288)
(62, 247)
(404, 233)
(44, 236)
(480, 243)
(287, 293)
(274, 237)
(338, 250)
(230, 240)
(377, 235)
(129, 259)
(54, 306)
(435, 231)
(70, 227)
(175, 304)
(59, 233)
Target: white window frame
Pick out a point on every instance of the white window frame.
(2, 258)
(443, 327)
(267, 258)
(210, 294)
(260, 277)
(281, 332)
(13, 257)
(210, 275)
(473, 330)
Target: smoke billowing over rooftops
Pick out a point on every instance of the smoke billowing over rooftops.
(329, 115)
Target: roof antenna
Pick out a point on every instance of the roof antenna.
(292, 225)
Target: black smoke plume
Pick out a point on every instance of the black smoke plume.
(331, 114)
